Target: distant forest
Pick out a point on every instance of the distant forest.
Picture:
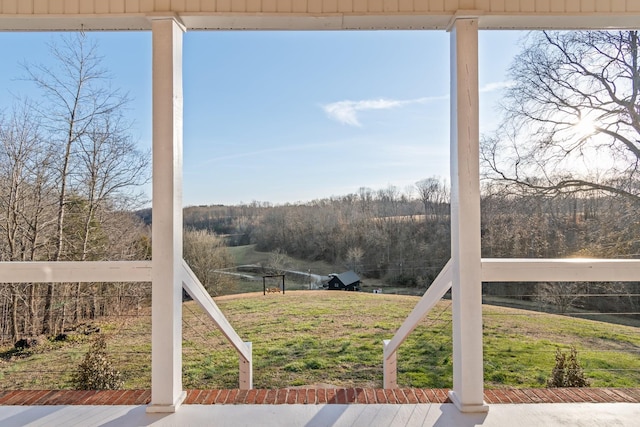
(403, 238)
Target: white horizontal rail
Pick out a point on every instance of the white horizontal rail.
(74, 271)
(193, 286)
(560, 270)
(510, 270)
(436, 291)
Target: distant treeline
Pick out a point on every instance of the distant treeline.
(403, 238)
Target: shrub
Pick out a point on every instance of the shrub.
(26, 343)
(567, 371)
(314, 364)
(575, 375)
(558, 371)
(295, 366)
(96, 372)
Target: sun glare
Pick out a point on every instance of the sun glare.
(585, 127)
(580, 155)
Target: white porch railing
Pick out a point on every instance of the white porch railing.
(128, 271)
(192, 285)
(509, 270)
(436, 291)
(560, 270)
(74, 271)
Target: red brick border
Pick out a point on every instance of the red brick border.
(312, 396)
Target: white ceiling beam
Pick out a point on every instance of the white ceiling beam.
(335, 21)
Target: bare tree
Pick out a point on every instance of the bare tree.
(278, 262)
(353, 258)
(572, 117)
(77, 99)
(389, 201)
(562, 295)
(110, 165)
(26, 184)
(25, 200)
(434, 195)
(206, 254)
(365, 201)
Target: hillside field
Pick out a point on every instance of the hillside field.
(248, 255)
(325, 338)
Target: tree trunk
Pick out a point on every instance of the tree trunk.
(47, 318)
(14, 313)
(33, 321)
(77, 315)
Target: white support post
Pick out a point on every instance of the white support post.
(166, 330)
(390, 367)
(467, 393)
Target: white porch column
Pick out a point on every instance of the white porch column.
(467, 393)
(166, 330)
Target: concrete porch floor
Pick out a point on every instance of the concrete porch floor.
(323, 407)
(373, 415)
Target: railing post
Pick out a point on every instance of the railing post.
(200, 295)
(434, 293)
(246, 369)
(390, 368)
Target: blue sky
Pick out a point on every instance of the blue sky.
(295, 116)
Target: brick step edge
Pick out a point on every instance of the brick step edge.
(314, 396)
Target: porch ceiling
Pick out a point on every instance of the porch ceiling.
(89, 15)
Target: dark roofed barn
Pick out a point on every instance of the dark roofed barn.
(348, 281)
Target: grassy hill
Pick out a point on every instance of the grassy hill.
(245, 255)
(335, 338)
(249, 255)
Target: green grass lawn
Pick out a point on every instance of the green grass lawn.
(307, 338)
(249, 255)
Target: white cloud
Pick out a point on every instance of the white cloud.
(346, 112)
(490, 87)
